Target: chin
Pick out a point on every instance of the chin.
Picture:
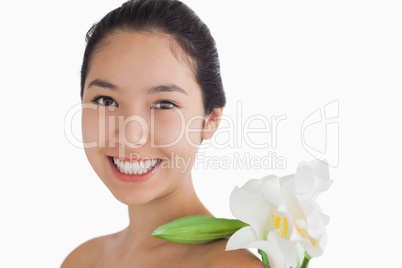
(133, 199)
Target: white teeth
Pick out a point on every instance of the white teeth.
(130, 169)
(135, 167)
(147, 164)
(121, 166)
(126, 167)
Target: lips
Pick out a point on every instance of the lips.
(134, 171)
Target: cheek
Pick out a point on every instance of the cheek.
(94, 135)
(172, 127)
(193, 130)
(90, 136)
(95, 127)
(167, 128)
(179, 137)
(90, 127)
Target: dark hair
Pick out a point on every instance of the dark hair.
(174, 18)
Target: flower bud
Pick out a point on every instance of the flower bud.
(198, 229)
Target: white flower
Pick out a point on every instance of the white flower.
(282, 212)
(269, 228)
(312, 179)
(308, 220)
(299, 192)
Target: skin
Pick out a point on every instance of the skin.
(133, 63)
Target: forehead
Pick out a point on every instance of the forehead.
(141, 59)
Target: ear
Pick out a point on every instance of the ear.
(211, 123)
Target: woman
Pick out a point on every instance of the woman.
(151, 92)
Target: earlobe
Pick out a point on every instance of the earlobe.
(212, 123)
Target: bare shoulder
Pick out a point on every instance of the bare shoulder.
(86, 254)
(220, 258)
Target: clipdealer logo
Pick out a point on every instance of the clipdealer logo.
(320, 133)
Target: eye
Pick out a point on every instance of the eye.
(164, 105)
(105, 101)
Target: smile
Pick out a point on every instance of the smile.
(135, 167)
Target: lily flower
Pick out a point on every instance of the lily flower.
(282, 212)
(311, 179)
(269, 228)
(308, 220)
(298, 194)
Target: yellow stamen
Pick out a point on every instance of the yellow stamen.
(285, 227)
(276, 220)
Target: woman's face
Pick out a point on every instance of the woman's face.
(141, 101)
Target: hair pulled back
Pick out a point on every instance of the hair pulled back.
(171, 17)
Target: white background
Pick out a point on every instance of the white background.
(277, 57)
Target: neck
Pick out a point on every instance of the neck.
(144, 219)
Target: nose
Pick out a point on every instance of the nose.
(132, 131)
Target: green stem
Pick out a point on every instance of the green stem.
(306, 260)
(264, 258)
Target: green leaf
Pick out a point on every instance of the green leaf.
(198, 229)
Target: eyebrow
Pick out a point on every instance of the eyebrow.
(166, 88)
(151, 91)
(102, 83)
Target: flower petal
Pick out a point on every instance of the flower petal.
(242, 238)
(291, 201)
(250, 209)
(253, 186)
(304, 180)
(271, 189)
(275, 256)
(316, 226)
(320, 168)
(246, 238)
(321, 171)
(286, 178)
(314, 250)
(287, 247)
(268, 177)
